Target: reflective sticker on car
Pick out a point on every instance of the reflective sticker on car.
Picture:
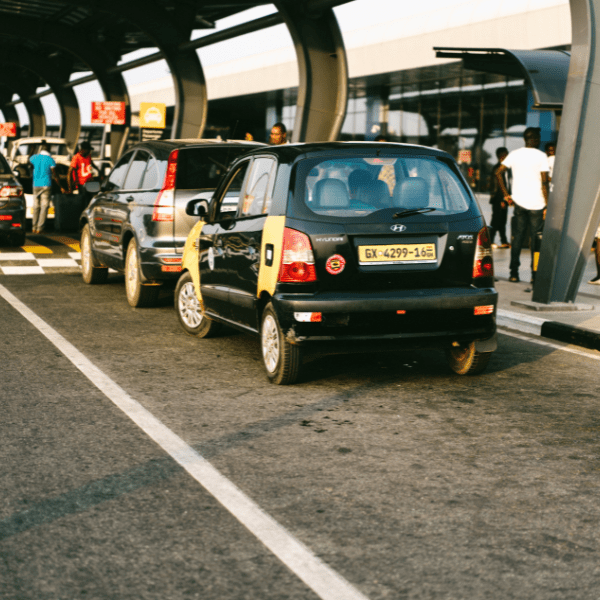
(190, 256)
(335, 264)
(270, 262)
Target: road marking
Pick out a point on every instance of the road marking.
(318, 576)
(36, 249)
(6, 256)
(57, 262)
(551, 345)
(67, 241)
(22, 271)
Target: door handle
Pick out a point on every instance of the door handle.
(130, 198)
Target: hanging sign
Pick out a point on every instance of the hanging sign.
(8, 129)
(108, 113)
(153, 115)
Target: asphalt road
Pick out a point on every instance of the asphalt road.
(400, 479)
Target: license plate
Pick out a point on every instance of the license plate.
(396, 254)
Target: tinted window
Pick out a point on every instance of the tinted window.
(136, 170)
(202, 168)
(358, 186)
(115, 179)
(230, 199)
(4, 168)
(257, 195)
(150, 180)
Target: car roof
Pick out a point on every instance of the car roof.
(165, 147)
(36, 140)
(291, 152)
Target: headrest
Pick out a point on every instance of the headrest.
(376, 193)
(331, 193)
(411, 192)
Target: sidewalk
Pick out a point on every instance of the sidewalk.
(578, 327)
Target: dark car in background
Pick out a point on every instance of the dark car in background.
(12, 206)
(342, 246)
(137, 223)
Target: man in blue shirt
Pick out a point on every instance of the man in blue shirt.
(43, 174)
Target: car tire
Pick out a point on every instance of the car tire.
(18, 239)
(138, 294)
(282, 360)
(89, 272)
(465, 360)
(190, 311)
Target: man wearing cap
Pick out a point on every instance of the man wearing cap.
(80, 171)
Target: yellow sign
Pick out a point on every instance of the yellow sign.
(153, 115)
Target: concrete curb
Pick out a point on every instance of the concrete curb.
(578, 336)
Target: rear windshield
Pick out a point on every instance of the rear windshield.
(353, 187)
(202, 168)
(53, 149)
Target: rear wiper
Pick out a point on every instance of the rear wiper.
(413, 211)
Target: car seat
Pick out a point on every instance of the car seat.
(331, 193)
(412, 192)
(376, 194)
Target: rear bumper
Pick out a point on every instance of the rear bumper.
(408, 317)
(18, 217)
(160, 264)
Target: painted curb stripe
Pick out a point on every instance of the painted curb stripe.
(318, 576)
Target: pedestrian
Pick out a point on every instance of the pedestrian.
(278, 135)
(499, 205)
(550, 149)
(80, 171)
(596, 280)
(529, 194)
(44, 171)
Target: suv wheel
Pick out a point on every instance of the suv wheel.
(282, 360)
(465, 360)
(138, 294)
(89, 272)
(190, 310)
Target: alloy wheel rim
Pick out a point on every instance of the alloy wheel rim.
(270, 343)
(132, 273)
(190, 309)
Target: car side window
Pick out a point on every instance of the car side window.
(117, 176)
(150, 179)
(230, 197)
(136, 170)
(259, 188)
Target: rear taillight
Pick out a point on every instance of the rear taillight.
(483, 265)
(10, 191)
(164, 207)
(297, 258)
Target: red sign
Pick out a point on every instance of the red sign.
(464, 156)
(108, 113)
(8, 129)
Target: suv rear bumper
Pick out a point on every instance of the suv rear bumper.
(419, 317)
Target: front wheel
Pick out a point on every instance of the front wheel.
(282, 360)
(89, 272)
(190, 310)
(138, 294)
(465, 360)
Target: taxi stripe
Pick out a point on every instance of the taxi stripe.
(273, 235)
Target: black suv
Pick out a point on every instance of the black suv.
(137, 224)
(370, 245)
(12, 206)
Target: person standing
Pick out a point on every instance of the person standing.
(499, 205)
(530, 168)
(44, 171)
(278, 135)
(80, 171)
(596, 280)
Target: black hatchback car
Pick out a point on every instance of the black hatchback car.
(12, 206)
(137, 224)
(341, 245)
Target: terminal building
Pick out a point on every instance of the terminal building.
(398, 86)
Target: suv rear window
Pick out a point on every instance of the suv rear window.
(202, 168)
(351, 187)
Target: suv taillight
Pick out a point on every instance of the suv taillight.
(483, 265)
(297, 258)
(164, 207)
(10, 191)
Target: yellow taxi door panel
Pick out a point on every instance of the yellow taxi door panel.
(270, 254)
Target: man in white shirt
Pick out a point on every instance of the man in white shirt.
(529, 195)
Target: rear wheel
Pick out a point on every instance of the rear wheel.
(465, 360)
(18, 239)
(282, 360)
(190, 310)
(138, 294)
(89, 272)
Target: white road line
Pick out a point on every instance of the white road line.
(57, 262)
(17, 256)
(22, 270)
(551, 345)
(318, 576)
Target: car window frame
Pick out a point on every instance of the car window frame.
(272, 174)
(222, 192)
(141, 178)
(105, 184)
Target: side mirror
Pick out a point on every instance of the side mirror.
(93, 187)
(196, 208)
